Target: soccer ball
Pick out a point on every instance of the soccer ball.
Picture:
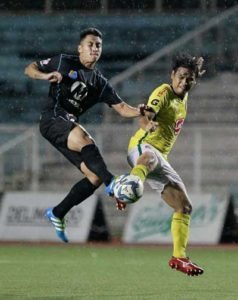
(128, 188)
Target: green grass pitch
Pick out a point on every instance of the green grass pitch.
(97, 273)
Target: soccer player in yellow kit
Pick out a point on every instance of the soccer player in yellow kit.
(151, 144)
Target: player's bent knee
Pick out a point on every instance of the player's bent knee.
(77, 139)
(185, 205)
(187, 209)
(94, 180)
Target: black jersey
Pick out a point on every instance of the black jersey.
(80, 88)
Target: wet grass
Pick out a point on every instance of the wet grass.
(91, 272)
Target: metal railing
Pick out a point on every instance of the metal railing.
(19, 156)
(167, 50)
(205, 157)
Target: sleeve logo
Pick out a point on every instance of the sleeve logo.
(45, 61)
(161, 92)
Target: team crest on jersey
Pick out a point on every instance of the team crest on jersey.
(73, 74)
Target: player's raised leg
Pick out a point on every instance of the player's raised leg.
(145, 164)
(79, 140)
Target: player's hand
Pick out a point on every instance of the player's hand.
(54, 77)
(120, 205)
(199, 63)
(145, 110)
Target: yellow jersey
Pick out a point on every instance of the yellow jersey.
(170, 113)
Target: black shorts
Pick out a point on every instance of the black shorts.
(56, 130)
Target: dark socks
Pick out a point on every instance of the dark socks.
(79, 192)
(95, 163)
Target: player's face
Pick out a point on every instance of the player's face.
(90, 49)
(183, 79)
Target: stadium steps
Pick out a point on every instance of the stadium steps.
(214, 100)
(215, 170)
(58, 175)
(61, 174)
(19, 181)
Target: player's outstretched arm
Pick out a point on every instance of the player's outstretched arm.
(33, 71)
(128, 111)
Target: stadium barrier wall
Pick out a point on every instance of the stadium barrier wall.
(22, 217)
(149, 220)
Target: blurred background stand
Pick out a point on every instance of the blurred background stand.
(140, 38)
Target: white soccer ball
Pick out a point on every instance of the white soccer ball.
(128, 188)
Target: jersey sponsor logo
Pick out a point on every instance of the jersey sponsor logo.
(178, 126)
(155, 102)
(75, 104)
(73, 74)
(78, 90)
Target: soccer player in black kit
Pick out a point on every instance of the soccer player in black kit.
(75, 87)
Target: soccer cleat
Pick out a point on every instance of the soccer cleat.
(185, 265)
(58, 224)
(109, 188)
(120, 205)
(109, 191)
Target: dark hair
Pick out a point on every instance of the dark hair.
(92, 31)
(184, 60)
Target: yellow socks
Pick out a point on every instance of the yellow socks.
(140, 171)
(180, 232)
